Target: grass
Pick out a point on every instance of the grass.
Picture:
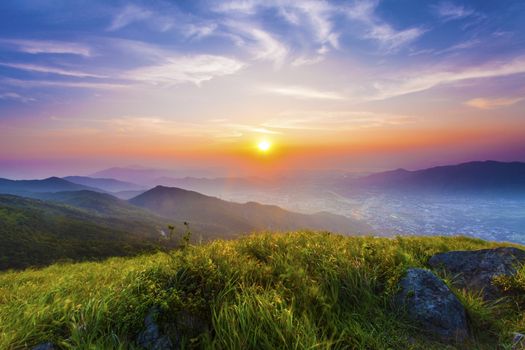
(300, 290)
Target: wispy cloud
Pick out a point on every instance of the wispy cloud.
(424, 80)
(186, 69)
(50, 70)
(61, 84)
(16, 97)
(330, 121)
(128, 15)
(199, 31)
(492, 103)
(376, 29)
(448, 11)
(261, 44)
(302, 92)
(48, 47)
(311, 18)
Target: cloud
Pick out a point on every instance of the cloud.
(302, 92)
(50, 70)
(314, 18)
(238, 128)
(128, 15)
(378, 30)
(16, 97)
(186, 69)
(59, 84)
(449, 11)
(330, 121)
(199, 31)
(48, 47)
(261, 44)
(424, 80)
(487, 103)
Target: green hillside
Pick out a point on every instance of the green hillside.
(35, 232)
(300, 290)
(79, 226)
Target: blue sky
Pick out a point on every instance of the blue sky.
(196, 77)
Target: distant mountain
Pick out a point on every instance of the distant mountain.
(106, 184)
(473, 176)
(52, 184)
(133, 175)
(192, 206)
(150, 176)
(220, 186)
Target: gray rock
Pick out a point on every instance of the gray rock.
(475, 269)
(190, 324)
(151, 338)
(44, 346)
(430, 303)
(518, 342)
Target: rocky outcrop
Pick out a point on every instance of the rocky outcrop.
(429, 302)
(151, 337)
(44, 346)
(475, 269)
(518, 341)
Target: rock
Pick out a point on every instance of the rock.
(429, 302)
(518, 342)
(151, 338)
(44, 346)
(475, 269)
(189, 324)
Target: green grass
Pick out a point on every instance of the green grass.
(300, 290)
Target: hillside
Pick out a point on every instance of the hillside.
(82, 225)
(28, 188)
(495, 176)
(190, 206)
(300, 290)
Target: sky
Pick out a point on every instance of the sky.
(354, 85)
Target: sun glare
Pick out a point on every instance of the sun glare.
(264, 146)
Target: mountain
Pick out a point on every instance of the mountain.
(150, 176)
(106, 184)
(191, 206)
(29, 187)
(486, 176)
(82, 225)
(133, 175)
(124, 215)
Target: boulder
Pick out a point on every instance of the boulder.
(429, 302)
(475, 269)
(44, 346)
(151, 338)
(518, 341)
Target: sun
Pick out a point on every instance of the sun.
(264, 146)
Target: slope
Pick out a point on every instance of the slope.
(192, 206)
(299, 290)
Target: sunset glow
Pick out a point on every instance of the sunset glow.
(264, 146)
(352, 84)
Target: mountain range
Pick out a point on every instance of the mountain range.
(79, 217)
(479, 176)
(30, 187)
